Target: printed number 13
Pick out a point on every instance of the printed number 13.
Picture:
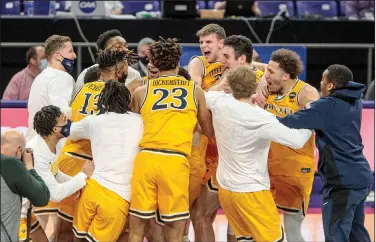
(84, 110)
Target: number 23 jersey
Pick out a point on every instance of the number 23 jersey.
(169, 111)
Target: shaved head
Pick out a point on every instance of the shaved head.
(11, 142)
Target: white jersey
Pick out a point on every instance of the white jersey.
(59, 184)
(132, 75)
(114, 142)
(50, 87)
(244, 133)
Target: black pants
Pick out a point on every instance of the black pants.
(343, 215)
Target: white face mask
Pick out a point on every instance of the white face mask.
(43, 64)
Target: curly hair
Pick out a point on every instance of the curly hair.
(289, 61)
(115, 97)
(46, 119)
(93, 74)
(241, 45)
(104, 37)
(165, 54)
(108, 58)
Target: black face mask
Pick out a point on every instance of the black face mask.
(144, 60)
(123, 78)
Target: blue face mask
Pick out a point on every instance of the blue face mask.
(43, 64)
(65, 130)
(68, 64)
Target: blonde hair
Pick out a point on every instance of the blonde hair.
(242, 81)
(212, 29)
(54, 43)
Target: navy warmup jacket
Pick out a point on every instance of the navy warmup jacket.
(336, 120)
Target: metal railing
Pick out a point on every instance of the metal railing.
(80, 45)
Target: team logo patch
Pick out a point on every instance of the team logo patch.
(306, 170)
(292, 95)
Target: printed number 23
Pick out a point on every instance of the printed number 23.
(84, 110)
(178, 93)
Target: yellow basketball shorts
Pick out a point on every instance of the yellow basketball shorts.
(22, 234)
(197, 165)
(100, 214)
(252, 216)
(70, 164)
(291, 194)
(195, 185)
(211, 161)
(197, 158)
(160, 180)
(51, 208)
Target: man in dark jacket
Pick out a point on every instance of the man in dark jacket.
(18, 179)
(345, 172)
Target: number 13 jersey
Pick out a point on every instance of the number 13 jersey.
(169, 111)
(84, 104)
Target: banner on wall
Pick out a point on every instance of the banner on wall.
(264, 52)
(17, 118)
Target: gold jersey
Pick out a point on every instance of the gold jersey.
(284, 160)
(84, 104)
(212, 72)
(169, 111)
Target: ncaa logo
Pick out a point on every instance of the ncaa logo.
(292, 95)
(87, 6)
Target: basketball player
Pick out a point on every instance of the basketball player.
(102, 209)
(205, 70)
(155, 231)
(291, 170)
(111, 39)
(243, 140)
(52, 125)
(113, 65)
(152, 74)
(170, 106)
(54, 85)
(237, 51)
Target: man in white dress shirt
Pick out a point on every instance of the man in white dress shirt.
(244, 133)
(52, 125)
(54, 86)
(111, 39)
(102, 210)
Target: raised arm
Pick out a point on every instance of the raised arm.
(196, 70)
(81, 129)
(203, 114)
(316, 116)
(277, 132)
